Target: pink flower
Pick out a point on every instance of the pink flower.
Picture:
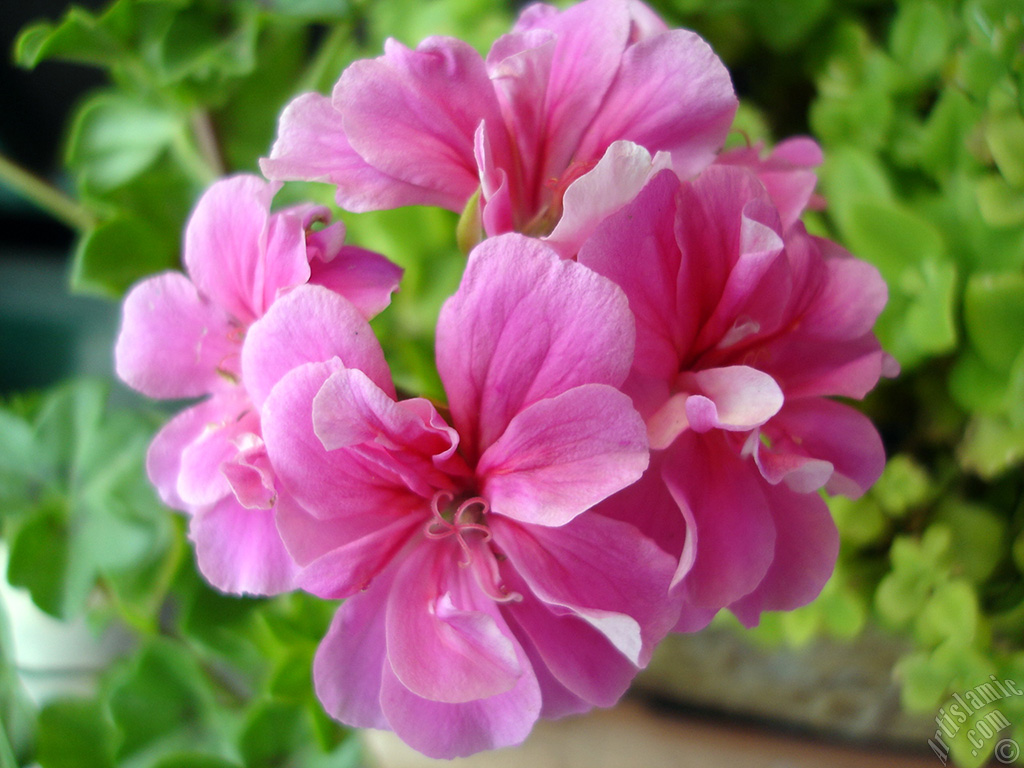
(432, 126)
(481, 593)
(743, 328)
(182, 336)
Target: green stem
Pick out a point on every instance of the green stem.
(206, 139)
(44, 195)
(322, 71)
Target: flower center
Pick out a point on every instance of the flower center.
(464, 519)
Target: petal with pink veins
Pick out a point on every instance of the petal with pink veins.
(523, 326)
(563, 455)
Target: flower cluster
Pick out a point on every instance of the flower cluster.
(637, 366)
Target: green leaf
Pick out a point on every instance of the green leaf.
(40, 562)
(980, 534)
(272, 731)
(1000, 204)
(784, 24)
(78, 36)
(904, 484)
(1005, 136)
(919, 37)
(115, 137)
(75, 734)
(161, 694)
(194, 760)
(116, 254)
(951, 613)
(994, 317)
(991, 445)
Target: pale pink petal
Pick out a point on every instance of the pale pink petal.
(617, 178)
(563, 455)
(445, 731)
(806, 547)
(446, 641)
(588, 568)
(412, 114)
(644, 22)
(226, 242)
(163, 459)
(523, 326)
(732, 533)
(349, 663)
(671, 93)
(249, 473)
(309, 324)
(201, 481)
(636, 248)
(239, 551)
(498, 211)
(326, 483)
(173, 342)
(832, 432)
(579, 657)
(365, 278)
(736, 398)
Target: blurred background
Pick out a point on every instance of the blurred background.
(116, 116)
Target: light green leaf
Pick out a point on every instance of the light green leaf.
(116, 254)
(919, 37)
(994, 317)
(115, 137)
(1005, 136)
(991, 445)
(950, 614)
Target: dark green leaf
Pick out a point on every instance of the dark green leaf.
(994, 317)
(117, 253)
(75, 734)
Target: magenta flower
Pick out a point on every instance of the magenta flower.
(743, 329)
(182, 336)
(481, 593)
(434, 125)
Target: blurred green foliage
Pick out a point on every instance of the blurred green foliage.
(919, 105)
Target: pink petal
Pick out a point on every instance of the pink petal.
(309, 324)
(806, 547)
(442, 730)
(446, 641)
(578, 656)
(349, 663)
(524, 326)
(590, 40)
(173, 342)
(312, 146)
(617, 178)
(227, 244)
(851, 299)
(731, 531)
(343, 555)
(239, 551)
(556, 700)
(163, 459)
(671, 93)
(326, 483)
(831, 432)
(561, 456)
(407, 440)
(249, 473)
(636, 248)
(201, 481)
(588, 568)
(736, 398)
(412, 115)
(365, 278)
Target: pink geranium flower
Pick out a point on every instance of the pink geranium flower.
(481, 593)
(434, 125)
(744, 326)
(182, 336)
